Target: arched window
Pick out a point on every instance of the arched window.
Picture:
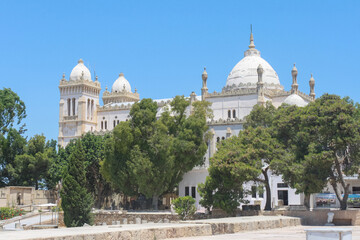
(234, 113)
(229, 114)
(69, 106)
(223, 138)
(102, 125)
(114, 123)
(105, 125)
(117, 121)
(73, 106)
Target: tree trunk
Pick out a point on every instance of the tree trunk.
(343, 202)
(155, 202)
(341, 180)
(307, 200)
(268, 190)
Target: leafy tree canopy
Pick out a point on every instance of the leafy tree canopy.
(149, 155)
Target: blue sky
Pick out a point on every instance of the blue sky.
(162, 46)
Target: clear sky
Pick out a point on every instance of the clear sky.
(162, 46)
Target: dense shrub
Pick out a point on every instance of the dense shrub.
(185, 207)
(7, 213)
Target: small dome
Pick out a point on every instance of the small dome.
(295, 99)
(121, 84)
(80, 70)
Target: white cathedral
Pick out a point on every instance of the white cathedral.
(252, 81)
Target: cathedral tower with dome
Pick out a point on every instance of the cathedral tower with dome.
(252, 81)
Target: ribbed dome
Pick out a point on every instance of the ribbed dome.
(121, 84)
(295, 99)
(244, 74)
(80, 70)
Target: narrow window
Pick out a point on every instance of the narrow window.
(253, 191)
(229, 114)
(92, 109)
(234, 113)
(218, 139)
(186, 191)
(102, 125)
(88, 109)
(193, 192)
(117, 121)
(73, 106)
(69, 106)
(105, 124)
(114, 123)
(261, 191)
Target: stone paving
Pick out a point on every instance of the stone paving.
(288, 233)
(157, 230)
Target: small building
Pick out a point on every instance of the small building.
(17, 196)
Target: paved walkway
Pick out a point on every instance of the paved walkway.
(288, 233)
(30, 221)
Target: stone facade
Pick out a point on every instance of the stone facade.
(17, 196)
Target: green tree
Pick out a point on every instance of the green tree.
(243, 158)
(31, 168)
(331, 127)
(94, 148)
(223, 188)
(12, 143)
(12, 110)
(75, 199)
(301, 172)
(149, 155)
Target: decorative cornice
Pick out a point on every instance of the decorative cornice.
(229, 121)
(64, 83)
(251, 85)
(232, 92)
(118, 97)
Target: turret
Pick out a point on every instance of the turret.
(312, 87)
(204, 89)
(192, 100)
(294, 86)
(260, 85)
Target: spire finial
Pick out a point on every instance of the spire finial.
(96, 78)
(252, 45)
(63, 75)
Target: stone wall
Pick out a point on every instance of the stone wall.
(318, 217)
(109, 217)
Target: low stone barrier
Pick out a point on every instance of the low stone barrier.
(318, 217)
(109, 217)
(240, 224)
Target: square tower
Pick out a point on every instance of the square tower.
(79, 100)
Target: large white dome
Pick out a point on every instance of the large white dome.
(295, 99)
(244, 74)
(79, 71)
(121, 84)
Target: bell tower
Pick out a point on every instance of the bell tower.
(79, 100)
